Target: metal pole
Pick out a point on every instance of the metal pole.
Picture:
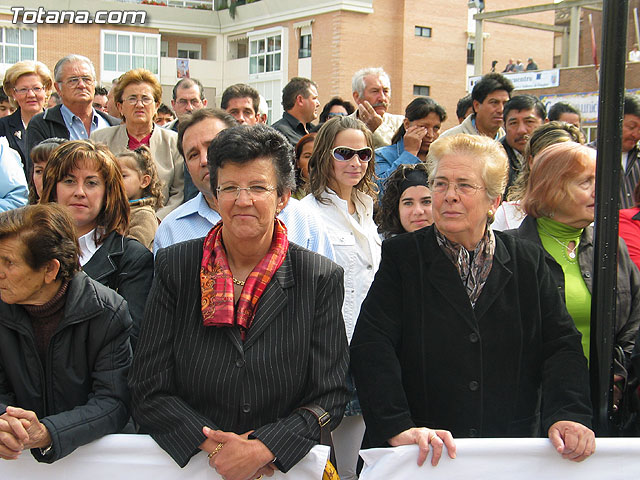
(574, 37)
(608, 173)
(479, 48)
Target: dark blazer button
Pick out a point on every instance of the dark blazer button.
(473, 432)
(473, 338)
(240, 363)
(473, 385)
(246, 408)
(587, 274)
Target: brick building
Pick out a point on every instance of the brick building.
(424, 45)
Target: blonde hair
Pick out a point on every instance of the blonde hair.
(26, 67)
(487, 152)
(142, 162)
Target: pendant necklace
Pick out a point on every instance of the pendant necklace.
(568, 251)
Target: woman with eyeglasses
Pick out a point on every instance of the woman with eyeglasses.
(463, 332)
(243, 327)
(342, 195)
(336, 107)
(406, 203)
(138, 95)
(28, 85)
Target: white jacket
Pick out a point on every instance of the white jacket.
(357, 247)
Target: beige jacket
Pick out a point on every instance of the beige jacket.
(169, 162)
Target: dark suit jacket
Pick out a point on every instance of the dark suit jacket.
(126, 266)
(12, 128)
(186, 375)
(479, 372)
(514, 165)
(50, 123)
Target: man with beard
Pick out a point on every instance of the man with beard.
(522, 115)
(372, 94)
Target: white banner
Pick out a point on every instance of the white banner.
(138, 457)
(506, 459)
(526, 80)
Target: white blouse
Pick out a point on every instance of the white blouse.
(357, 247)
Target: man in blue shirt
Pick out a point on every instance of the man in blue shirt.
(196, 217)
(75, 118)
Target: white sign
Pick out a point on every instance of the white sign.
(527, 80)
(506, 459)
(587, 103)
(139, 457)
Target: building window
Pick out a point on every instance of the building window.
(238, 48)
(421, 90)
(423, 31)
(190, 50)
(265, 54)
(122, 51)
(471, 52)
(164, 48)
(305, 46)
(17, 44)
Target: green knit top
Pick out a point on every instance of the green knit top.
(555, 238)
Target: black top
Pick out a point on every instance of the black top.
(292, 128)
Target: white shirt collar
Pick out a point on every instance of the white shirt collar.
(87, 246)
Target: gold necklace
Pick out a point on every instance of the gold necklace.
(238, 282)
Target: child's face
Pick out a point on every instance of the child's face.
(5, 109)
(133, 181)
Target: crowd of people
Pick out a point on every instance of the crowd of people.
(200, 276)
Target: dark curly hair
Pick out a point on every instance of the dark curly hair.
(388, 215)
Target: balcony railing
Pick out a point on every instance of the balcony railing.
(199, 4)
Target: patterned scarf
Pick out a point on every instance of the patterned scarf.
(473, 267)
(216, 280)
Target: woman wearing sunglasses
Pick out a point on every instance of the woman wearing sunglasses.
(342, 195)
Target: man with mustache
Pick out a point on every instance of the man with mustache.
(489, 96)
(522, 115)
(372, 94)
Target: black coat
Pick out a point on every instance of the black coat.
(50, 123)
(422, 356)
(627, 289)
(126, 266)
(186, 375)
(83, 393)
(12, 128)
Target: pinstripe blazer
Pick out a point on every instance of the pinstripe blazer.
(186, 376)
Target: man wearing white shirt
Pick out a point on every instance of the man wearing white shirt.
(372, 93)
(196, 217)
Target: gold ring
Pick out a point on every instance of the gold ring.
(216, 450)
(259, 478)
(433, 435)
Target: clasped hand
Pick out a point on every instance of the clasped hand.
(239, 458)
(21, 430)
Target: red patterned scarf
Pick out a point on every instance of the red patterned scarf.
(216, 280)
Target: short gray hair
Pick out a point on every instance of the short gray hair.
(73, 58)
(488, 153)
(357, 82)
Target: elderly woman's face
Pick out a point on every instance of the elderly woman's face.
(138, 105)
(29, 93)
(460, 202)
(19, 283)
(578, 207)
(249, 213)
(82, 191)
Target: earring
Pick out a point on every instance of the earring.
(490, 215)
